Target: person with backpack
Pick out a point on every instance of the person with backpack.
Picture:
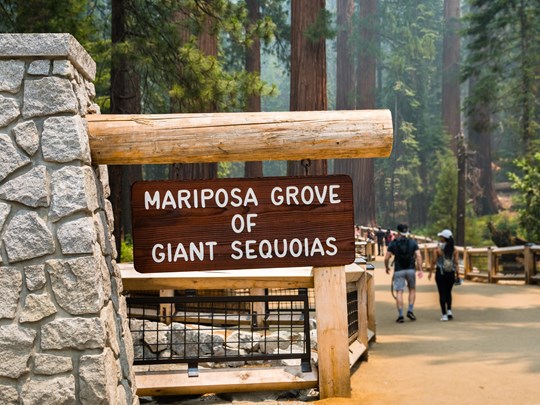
(379, 234)
(407, 258)
(446, 264)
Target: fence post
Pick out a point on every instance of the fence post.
(528, 264)
(361, 286)
(491, 264)
(166, 310)
(372, 326)
(466, 262)
(332, 331)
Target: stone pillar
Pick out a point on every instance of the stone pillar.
(64, 337)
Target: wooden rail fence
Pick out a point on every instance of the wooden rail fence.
(493, 264)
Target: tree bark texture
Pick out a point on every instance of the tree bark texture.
(207, 42)
(365, 99)
(451, 104)
(253, 65)
(308, 72)
(481, 174)
(345, 77)
(125, 99)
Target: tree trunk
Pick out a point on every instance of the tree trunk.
(345, 77)
(253, 65)
(208, 45)
(125, 99)
(481, 176)
(451, 104)
(308, 72)
(362, 171)
(365, 99)
(345, 83)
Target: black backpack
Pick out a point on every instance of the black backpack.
(404, 253)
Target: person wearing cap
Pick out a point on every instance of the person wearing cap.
(446, 263)
(407, 257)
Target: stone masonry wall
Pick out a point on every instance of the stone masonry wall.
(64, 337)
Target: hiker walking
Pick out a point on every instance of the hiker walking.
(446, 264)
(380, 241)
(407, 257)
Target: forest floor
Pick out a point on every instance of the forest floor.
(488, 355)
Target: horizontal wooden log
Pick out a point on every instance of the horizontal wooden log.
(230, 137)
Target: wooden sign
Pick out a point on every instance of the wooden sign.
(229, 224)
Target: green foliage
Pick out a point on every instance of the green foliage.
(527, 184)
(176, 73)
(503, 56)
(322, 28)
(411, 90)
(230, 169)
(443, 209)
(126, 250)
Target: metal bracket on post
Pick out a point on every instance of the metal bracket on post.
(305, 363)
(306, 163)
(193, 370)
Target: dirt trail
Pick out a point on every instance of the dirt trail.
(489, 354)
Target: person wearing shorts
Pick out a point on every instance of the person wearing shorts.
(407, 256)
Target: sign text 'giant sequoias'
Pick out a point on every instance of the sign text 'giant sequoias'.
(242, 223)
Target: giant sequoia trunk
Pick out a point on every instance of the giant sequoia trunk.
(361, 170)
(253, 65)
(308, 71)
(365, 99)
(207, 43)
(481, 175)
(125, 99)
(451, 105)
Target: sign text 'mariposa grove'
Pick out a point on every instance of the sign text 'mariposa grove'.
(242, 223)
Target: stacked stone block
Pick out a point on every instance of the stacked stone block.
(64, 337)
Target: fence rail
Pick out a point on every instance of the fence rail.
(493, 263)
(194, 336)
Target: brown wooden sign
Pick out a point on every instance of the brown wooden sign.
(229, 224)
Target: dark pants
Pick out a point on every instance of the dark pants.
(445, 283)
(380, 247)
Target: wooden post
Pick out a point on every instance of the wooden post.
(165, 310)
(372, 326)
(229, 137)
(491, 264)
(258, 309)
(528, 264)
(332, 332)
(361, 286)
(466, 268)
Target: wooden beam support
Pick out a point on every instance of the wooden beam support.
(296, 277)
(332, 332)
(230, 137)
(224, 380)
(372, 321)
